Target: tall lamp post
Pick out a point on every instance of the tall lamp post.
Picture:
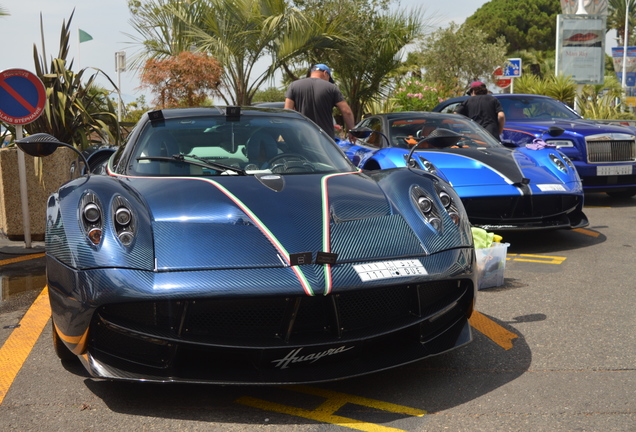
(625, 40)
(120, 66)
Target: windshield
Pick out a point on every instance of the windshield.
(407, 132)
(214, 145)
(527, 107)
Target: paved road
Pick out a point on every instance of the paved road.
(554, 350)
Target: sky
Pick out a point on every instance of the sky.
(107, 21)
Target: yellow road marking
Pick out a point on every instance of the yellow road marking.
(325, 412)
(21, 258)
(18, 346)
(543, 259)
(492, 330)
(587, 232)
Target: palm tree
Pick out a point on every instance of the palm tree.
(616, 17)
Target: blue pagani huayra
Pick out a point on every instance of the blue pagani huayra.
(502, 189)
(240, 245)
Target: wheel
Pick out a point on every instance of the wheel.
(625, 193)
(61, 350)
(290, 162)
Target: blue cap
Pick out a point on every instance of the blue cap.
(323, 67)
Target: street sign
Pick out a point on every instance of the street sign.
(512, 68)
(500, 81)
(22, 96)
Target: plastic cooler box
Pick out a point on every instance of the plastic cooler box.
(491, 263)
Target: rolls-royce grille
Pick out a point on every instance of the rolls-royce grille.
(611, 151)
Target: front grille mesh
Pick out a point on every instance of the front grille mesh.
(281, 321)
(611, 151)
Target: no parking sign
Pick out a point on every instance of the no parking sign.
(22, 100)
(22, 96)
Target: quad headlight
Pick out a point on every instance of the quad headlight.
(91, 218)
(560, 164)
(432, 208)
(124, 220)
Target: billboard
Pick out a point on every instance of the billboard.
(580, 48)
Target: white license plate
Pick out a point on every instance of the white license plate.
(614, 170)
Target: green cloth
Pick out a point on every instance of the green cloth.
(482, 238)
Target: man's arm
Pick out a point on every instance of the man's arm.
(289, 104)
(347, 114)
(501, 119)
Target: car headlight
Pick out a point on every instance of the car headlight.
(425, 163)
(91, 217)
(568, 161)
(124, 220)
(433, 208)
(560, 164)
(560, 143)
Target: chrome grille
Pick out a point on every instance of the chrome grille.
(611, 151)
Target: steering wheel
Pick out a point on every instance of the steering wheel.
(543, 114)
(290, 162)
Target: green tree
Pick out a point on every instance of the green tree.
(161, 30)
(242, 33)
(616, 10)
(371, 49)
(270, 94)
(525, 24)
(458, 55)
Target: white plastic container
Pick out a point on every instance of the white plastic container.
(491, 263)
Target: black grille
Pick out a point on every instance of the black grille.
(272, 321)
(519, 209)
(245, 339)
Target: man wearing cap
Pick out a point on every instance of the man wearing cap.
(315, 97)
(484, 108)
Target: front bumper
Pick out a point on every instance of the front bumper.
(141, 334)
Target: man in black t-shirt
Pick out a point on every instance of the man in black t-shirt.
(484, 108)
(315, 97)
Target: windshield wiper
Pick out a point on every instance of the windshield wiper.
(198, 162)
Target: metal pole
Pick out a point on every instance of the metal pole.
(26, 221)
(625, 40)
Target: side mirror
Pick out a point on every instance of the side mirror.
(38, 145)
(43, 144)
(555, 131)
(361, 133)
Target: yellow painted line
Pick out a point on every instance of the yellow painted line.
(21, 258)
(542, 259)
(18, 346)
(587, 232)
(492, 330)
(325, 412)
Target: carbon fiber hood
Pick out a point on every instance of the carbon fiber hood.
(239, 222)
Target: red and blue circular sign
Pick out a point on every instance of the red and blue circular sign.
(22, 96)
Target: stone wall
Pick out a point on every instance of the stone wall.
(55, 172)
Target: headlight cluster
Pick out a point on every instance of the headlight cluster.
(560, 164)
(92, 219)
(428, 165)
(432, 209)
(124, 220)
